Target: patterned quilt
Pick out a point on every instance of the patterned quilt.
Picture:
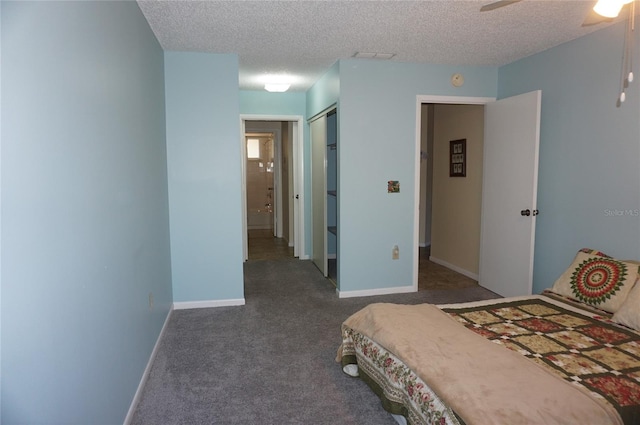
(583, 347)
(587, 350)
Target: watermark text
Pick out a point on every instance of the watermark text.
(634, 212)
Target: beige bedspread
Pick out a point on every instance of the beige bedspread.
(481, 381)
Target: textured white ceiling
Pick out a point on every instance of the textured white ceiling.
(304, 38)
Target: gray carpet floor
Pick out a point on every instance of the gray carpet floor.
(271, 361)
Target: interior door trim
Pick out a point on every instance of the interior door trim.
(323, 113)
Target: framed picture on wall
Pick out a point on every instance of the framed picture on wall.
(458, 158)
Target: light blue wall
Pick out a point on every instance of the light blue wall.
(265, 103)
(325, 92)
(589, 150)
(377, 143)
(0, 218)
(84, 209)
(204, 157)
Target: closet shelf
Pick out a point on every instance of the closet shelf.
(332, 192)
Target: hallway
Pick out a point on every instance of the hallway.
(434, 276)
(264, 246)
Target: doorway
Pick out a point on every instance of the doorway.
(272, 202)
(325, 193)
(450, 206)
(264, 241)
(260, 182)
(509, 189)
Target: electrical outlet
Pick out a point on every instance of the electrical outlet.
(395, 253)
(150, 300)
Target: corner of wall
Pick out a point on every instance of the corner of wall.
(145, 374)
(0, 219)
(324, 92)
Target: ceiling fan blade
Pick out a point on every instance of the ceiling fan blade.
(594, 19)
(497, 5)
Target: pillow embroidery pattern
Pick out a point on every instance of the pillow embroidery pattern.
(597, 279)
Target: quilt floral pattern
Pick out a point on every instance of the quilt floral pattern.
(590, 352)
(403, 392)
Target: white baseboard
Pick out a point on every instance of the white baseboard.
(381, 291)
(145, 374)
(455, 268)
(184, 305)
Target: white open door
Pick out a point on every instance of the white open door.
(509, 191)
(319, 193)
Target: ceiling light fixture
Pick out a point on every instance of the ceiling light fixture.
(277, 83)
(276, 87)
(609, 8)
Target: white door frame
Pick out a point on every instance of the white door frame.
(298, 180)
(420, 99)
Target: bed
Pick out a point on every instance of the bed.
(570, 355)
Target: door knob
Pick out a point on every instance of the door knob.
(526, 212)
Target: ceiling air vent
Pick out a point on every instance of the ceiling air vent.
(373, 55)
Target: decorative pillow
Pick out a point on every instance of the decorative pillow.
(598, 280)
(629, 312)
